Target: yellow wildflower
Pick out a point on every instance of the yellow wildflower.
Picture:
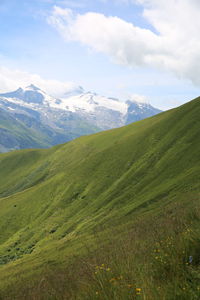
(138, 291)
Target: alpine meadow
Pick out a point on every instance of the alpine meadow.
(114, 215)
(100, 150)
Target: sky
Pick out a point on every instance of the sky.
(147, 50)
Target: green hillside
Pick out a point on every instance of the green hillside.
(16, 135)
(114, 215)
(24, 132)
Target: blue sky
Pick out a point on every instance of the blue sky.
(33, 42)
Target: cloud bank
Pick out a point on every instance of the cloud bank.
(13, 79)
(173, 45)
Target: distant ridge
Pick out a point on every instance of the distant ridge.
(49, 121)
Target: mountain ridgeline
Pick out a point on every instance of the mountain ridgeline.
(107, 216)
(37, 120)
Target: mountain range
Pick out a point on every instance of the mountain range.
(30, 118)
(113, 215)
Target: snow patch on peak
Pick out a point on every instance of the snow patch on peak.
(89, 102)
(85, 104)
(74, 92)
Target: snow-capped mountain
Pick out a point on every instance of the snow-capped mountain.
(76, 113)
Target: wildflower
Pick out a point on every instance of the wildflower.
(157, 250)
(138, 291)
(97, 293)
(190, 259)
(108, 269)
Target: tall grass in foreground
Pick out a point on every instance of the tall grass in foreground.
(157, 258)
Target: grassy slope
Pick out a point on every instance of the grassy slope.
(53, 200)
(16, 134)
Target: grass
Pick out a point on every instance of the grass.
(124, 198)
(30, 133)
(15, 133)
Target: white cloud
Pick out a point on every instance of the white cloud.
(138, 98)
(173, 46)
(13, 79)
